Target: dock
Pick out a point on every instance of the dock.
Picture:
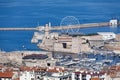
(89, 25)
(12, 29)
(111, 23)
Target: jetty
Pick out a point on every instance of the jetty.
(4, 29)
(111, 23)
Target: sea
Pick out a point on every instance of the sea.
(33, 13)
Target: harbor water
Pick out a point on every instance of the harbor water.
(25, 13)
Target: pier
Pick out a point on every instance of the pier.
(113, 23)
(12, 29)
(89, 25)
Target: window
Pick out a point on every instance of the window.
(38, 77)
(84, 77)
(48, 64)
(77, 75)
(64, 45)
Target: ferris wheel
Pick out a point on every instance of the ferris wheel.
(69, 21)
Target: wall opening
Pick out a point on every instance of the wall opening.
(64, 45)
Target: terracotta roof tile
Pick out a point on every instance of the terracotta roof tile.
(6, 74)
(56, 69)
(114, 71)
(17, 79)
(95, 79)
(26, 68)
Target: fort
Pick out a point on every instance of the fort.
(65, 43)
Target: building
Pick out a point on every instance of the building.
(117, 37)
(113, 46)
(88, 75)
(63, 43)
(41, 60)
(107, 35)
(113, 73)
(27, 73)
(32, 73)
(6, 75)
(94, 41)
(113, 22)
(57, 73)
(40, 73)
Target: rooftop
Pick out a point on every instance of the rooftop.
(6, 74)
(35, 56)
(114, 71)
(26, 68)
(90, 73)
(105, 33)
(56, 69)
(95, 79)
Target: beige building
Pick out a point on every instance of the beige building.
(94, 40)
(64, 43)
(113, 73)
(115, 46)
(38, 60)
(117, 37)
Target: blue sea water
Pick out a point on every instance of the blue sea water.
(28, 13)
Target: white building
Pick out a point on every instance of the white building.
(113, 22)
(85, 75)
(107, 35)
(32, 73)
(36, 37)
(27, 74)
(57, 73)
